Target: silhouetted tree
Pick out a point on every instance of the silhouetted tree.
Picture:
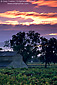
(7, 43)
(53, 49)
(49, 50)
(26, 44)
(1, 49)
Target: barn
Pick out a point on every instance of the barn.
(11, 59)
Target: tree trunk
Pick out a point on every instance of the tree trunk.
(45, 64)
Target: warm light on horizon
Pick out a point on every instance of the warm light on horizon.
(28, 18)
(53, 34)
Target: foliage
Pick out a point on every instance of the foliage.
(29, 76)
(26, 44)
(49, 50)
(6, 43)
(1, 49)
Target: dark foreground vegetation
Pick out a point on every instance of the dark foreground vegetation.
(30, 76)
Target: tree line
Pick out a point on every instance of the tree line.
(30, 44)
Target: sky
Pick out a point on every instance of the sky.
(26, 15)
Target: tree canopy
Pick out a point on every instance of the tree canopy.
(29, 43)
(49, 50)
(1, 49)
(26, 44)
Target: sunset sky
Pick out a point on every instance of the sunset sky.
(25, 15)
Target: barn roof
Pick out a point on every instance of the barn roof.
(7, 53)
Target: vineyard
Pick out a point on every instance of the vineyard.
(30, 76)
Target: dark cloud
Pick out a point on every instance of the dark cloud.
(6, 31)
(45, 9)
(23, 8)
(26, 8)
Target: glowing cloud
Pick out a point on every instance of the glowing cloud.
(27, 18)
(53, 34)
(12, 22)
(50, 3)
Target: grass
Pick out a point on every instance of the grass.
(39, 64)
(29, 76)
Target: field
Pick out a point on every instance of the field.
(39, 64)
(30, 76)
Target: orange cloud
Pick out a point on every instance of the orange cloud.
(12, 22)
(53, 34)
(9, 22)
(37, 18)
(9, 14)
(50, 3)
